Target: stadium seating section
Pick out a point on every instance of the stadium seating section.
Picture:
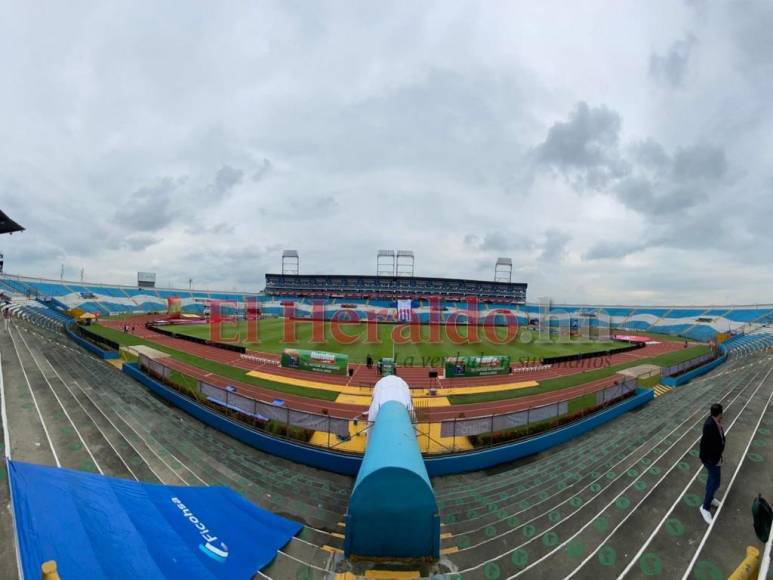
(701, 324)
(382, 286)
(620, 500)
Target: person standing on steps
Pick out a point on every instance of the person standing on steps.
(712, 446)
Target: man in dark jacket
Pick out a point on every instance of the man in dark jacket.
(712, 446)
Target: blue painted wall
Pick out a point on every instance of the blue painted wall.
(695, 373)
(348, 464)
(485, 458)
(316, 457)
(106, 354)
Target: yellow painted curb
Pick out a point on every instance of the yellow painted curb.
(750, 567)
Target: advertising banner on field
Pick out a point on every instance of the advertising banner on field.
(477, 366)
(318, 361)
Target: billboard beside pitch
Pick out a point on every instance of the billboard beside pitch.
(331, 363)
(476, 366)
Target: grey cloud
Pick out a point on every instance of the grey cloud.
(263, 171)
(226, 179)
(149, 208)
(584, 148)
(324, 203)
(642, 175)
(750, 23)
(157, 206)
(650, 154)
(499, 241)
(554, 246)
(612, 249)
(299, 207)
(699, 163)
(471, 240)
(323, 132)
(496, 241)
(657, 198)
(670, 69)
(239, 264)
(137, 243)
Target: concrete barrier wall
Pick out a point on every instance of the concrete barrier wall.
(315, 456)
(695, 373)
(105, 354)
(485, 458)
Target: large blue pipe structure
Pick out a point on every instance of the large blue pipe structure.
(392, 511)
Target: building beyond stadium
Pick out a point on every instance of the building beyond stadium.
(346, 286)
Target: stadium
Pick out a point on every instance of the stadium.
(546, 439)
(215, 362)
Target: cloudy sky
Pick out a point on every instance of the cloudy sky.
(618, 152)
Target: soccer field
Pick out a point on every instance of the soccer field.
(417, 350)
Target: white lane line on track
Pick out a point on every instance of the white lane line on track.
(565, 542)
(61, 405)
(35, 401)
(635, 558)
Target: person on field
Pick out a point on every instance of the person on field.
(369, 361)
(712, 446)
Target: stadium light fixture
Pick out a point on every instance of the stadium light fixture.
(291, 263)
(503, 270)
(385, 263)
(404, 263)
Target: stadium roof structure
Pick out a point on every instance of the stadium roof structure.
(7, 225)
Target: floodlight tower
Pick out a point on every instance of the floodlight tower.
(503, 270)
(404, 263)
(385, 263)
(291, 263)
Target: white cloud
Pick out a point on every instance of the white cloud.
(624, 165)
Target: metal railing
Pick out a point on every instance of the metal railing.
(681, 367)
(448, 435)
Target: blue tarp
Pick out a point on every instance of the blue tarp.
(102, 527)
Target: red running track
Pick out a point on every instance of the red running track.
(434, 414)
(417, 377)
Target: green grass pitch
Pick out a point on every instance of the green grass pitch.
(270, 334)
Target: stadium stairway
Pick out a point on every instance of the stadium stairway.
(68, 408)
(584, 509)
(619, 501)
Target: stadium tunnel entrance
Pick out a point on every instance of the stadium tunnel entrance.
(392, 511)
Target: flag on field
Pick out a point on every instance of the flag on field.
(404, 310)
